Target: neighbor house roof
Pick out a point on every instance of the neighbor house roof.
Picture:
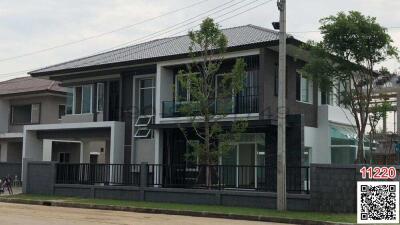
(29, 85)
(241, 36)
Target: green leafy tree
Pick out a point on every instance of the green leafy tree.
(210, 100)
(352, 46)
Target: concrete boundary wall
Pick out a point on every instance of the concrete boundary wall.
(41, 178)
(299, 202)
(334, 187)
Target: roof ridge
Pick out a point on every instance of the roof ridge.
(92, 60)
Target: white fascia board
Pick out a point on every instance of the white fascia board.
(225, 56)
(11, 135)
(95, 78)
(64, 126)
(230, 117)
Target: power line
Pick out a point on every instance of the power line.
(172, 38)
(167, 30)
(11, 74)
(101, 34)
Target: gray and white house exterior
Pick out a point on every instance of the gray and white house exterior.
(123, 103)
(26, 101)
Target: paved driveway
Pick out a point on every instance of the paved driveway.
(17, 214)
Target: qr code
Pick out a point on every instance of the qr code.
(377, 202)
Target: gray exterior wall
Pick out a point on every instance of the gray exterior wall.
(48, 109)
(144, 151)
(268, 100)
(78, 118)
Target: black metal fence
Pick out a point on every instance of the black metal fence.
(220, 177)
(261, 178)
(116, 174)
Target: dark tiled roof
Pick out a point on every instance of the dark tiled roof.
(237, 36)
(28, 85)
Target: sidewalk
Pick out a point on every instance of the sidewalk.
(237, 213)
(16, 191)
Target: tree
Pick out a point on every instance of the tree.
(206, 108)
(352, 46)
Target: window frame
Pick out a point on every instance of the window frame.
(81, 105)
(19, 105)
(65, 111)
(153, 88)
(97, 97)
(64, 153)
(310, 91)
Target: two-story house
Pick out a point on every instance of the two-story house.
(26, 101)
(127, 101)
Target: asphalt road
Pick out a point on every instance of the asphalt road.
(17, 214)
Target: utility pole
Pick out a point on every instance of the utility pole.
(281, 163)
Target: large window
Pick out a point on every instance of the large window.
(61, 111)
(182, 93)
(83, 99)
(304, 89)
(146, 96)
(70, 101)
(100, 97)
(146, 91)
(326, 98)
(25, 114)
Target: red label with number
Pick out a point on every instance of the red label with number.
(378, 173)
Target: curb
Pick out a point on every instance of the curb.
(168, 212)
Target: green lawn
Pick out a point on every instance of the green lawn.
(316, 216)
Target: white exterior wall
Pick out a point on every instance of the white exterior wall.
(41, 150)
(319, 138)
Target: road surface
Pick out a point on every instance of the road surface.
(17, 214)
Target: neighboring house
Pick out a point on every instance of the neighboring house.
(124, 101)
(26, 101)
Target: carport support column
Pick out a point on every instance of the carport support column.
(47, 149)
(144, 171)
(158, 154)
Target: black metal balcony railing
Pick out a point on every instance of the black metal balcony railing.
(235, 105)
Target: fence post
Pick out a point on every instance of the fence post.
(144, 171)
(24, 175)
(53, 171)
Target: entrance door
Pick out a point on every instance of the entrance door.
(240, 166)
(246, 163)
(94, 159)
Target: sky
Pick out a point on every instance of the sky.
(28, 26)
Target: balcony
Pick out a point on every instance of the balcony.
(236, 105)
